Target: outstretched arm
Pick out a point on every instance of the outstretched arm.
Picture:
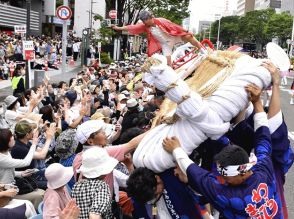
(117, 28)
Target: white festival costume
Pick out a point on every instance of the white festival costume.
(200, 118)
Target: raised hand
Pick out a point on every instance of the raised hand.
(170, 144)
(254, 92)
(275, 73)
(71, 211)
(50, 133)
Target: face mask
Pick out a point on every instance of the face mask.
(22, 72)
(123, 105)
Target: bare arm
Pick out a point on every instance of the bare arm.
(132, 144)
(41, 154)
(275, 103)
(123, 28)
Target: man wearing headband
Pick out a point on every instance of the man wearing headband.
(162, 34)
(249, 190)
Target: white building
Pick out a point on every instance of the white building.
(244, 6)
(288, 5)
(264, 4)
(209, 11)
(186, 23)
(82, 14)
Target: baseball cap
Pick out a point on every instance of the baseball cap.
(23, 127)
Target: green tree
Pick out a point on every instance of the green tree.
(229, 29)
(253, 26)
(280, 25)
(174, 10)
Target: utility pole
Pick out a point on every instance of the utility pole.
(64, 41)
(28, 67)
(218, 33)
(292, 39)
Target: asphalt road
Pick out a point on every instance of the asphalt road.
(288, 111)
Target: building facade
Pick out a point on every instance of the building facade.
(244, 6)
(13, 13)
(288, 5)
(264, 4)
(82, 16)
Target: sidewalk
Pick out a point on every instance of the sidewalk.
(55, 76)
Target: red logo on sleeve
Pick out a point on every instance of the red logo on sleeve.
(266, 211)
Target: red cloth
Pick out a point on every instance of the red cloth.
(165, 25)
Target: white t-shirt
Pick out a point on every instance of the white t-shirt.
(75, 47)
(166, 41)
(10, 117)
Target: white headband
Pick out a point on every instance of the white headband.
(235, 170)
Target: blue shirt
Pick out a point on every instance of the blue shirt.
(251, 197)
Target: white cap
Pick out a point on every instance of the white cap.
(121, 97)
(87, 128)
(96, 162)
(132, 103)
(58, 175)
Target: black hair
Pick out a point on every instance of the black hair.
(232, 155)
(97, 99)
(60, 84)
(141, 185)
(150, 107)
(47, 113)
(12, 105)
(29, 91)
(5, 135)
(129, 134)
(20, 98)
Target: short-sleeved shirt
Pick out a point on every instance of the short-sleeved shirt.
(20, 151)
(10, 117)
(116, 152)
(93, 196)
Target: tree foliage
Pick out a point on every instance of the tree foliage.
(128, 10)
(255, 27)
(229, 29)
(280, 25)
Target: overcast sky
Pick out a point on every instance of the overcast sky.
(207, 9)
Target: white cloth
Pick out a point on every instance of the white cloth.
(30, 210)
(200, 118)
(76, 47)
(162, 211)
(166, 41)
(11, 116)
(119, 180)
(275, 122)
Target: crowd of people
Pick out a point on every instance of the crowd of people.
(48, 52)
(66, 149)
(69, 146)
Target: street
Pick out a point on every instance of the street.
(288, 111)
